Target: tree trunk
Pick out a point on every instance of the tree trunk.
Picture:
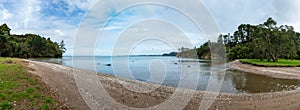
(273, 57)
(268, 58)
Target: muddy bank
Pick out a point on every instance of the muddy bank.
(276, 72)
(61, 80)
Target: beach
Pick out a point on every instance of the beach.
(276, 72)
(61, 81)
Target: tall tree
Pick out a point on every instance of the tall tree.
(4, 29)
(28, 45)
(62, 46)
(263, 41)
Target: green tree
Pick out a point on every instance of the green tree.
(3, 45)
(277, 41)
(4, 29)
(28, 45)
(62, 46)
(263, 41)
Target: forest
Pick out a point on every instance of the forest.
(263, 41)
(28, 45)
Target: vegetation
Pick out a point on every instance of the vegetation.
(263, 41)
(280, 62)
(170, 54)
(21, 90)
(204, 51)
(28, 45)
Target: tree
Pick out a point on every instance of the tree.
(4, 30)
(263, 41)
(277, 41)
(62, 46)
(28, 45)
(3, 45)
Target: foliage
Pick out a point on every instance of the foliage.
(280, 62)
(187, 53)
(204, 51)
(170, 54)
(28, 45)
(4, 30)
(263, 41)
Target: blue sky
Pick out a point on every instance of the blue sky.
(60, 19)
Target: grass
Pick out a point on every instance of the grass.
(20, 89)
(280, 63)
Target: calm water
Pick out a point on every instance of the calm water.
(168, 71)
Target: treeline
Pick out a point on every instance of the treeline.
(28, 45)
(170, 54)
(204, 51)
(263, 41)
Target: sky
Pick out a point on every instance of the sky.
(140, 29)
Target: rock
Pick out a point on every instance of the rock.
(107, 64)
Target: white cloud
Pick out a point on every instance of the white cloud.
(30, 12)
(82, 4)
(25, 16)
(287, 12)
(5, 15)
(59, 33)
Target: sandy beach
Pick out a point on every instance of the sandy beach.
(276, 72)
(61, 80)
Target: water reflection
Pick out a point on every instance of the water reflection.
(252, 83)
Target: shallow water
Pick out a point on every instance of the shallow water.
(169, 70)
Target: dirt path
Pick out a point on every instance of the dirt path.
(276, 72)
(61, 79)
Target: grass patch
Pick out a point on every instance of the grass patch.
(265, 63)
(44, 107)
(22, 90)
(5, 106)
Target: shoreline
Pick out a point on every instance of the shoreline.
(61, 79)
(275, 72)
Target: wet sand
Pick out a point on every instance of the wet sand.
(61, 80)
(276, 72)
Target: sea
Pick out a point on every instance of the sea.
(170, 70)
